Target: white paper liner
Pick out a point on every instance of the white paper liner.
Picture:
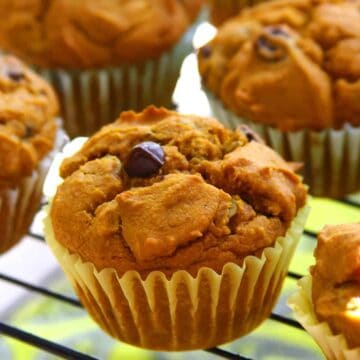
(331, 157)
(333, 346)
(19, 204)
(182, 313)
(93, 98)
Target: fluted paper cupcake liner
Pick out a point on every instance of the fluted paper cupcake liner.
(93, 98)
(331, 157)
(19, 204)
(333, 346)
(181, 313)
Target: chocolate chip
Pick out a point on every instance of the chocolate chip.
(263, 42)
(267, 50)
(250, 134)
(206, 51)
(145, 160)
(29, 131)
(279, 31)
(16, 75)
(268, 45)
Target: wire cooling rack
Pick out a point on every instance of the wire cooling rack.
(68, 353)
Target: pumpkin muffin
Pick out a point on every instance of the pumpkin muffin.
(28, 108)
(222, 10)
(291, 69)
(328, 303)
(175, 232)
(101, 56)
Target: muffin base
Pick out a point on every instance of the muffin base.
(181, 313)
(19, 204)
(333, 346)
(331, 162)
(92, 98)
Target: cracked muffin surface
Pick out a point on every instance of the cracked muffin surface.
(336, 280)
(292, 64)
(28, 107)
(209, 195)
(92, 33)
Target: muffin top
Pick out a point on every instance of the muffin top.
(92, 33)
(162, 191)
(220, 11)
(28, 107)
(336, 280)
(293, 64)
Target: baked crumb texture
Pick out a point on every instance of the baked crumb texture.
(292, 64)
(214, 196)
(28, 107)
(92, 33)
(336, 280)
(222, 10)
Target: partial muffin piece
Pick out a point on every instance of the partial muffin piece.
(290, 70)
(327, 303)
(28, 107)
(102, 56)
(336, 280)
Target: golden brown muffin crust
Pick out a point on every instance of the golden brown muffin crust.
(336, 280)
(172, 199)
(92, 33)
(28, 107)
(292, 64)
(220, 11)
(216, 198)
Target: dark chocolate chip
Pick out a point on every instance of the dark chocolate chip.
(16, 75)
(29, 132)
(263, 42)
(269, 51)
(206, 51)
(267, 46)
(145, 160)
(279, 31)
(250, 134)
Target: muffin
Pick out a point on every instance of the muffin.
(101, 56)
(328, 302)
(175, 232)
(222, 10)
(28, 108)
(291, 69)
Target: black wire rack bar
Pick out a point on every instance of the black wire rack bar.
(46, 345)
(41, 290)
(286, 320)
(36, 236)
(295, 276)
(310, 233)
(351, 202)
(226, 354)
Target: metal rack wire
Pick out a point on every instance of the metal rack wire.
(68, 353)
